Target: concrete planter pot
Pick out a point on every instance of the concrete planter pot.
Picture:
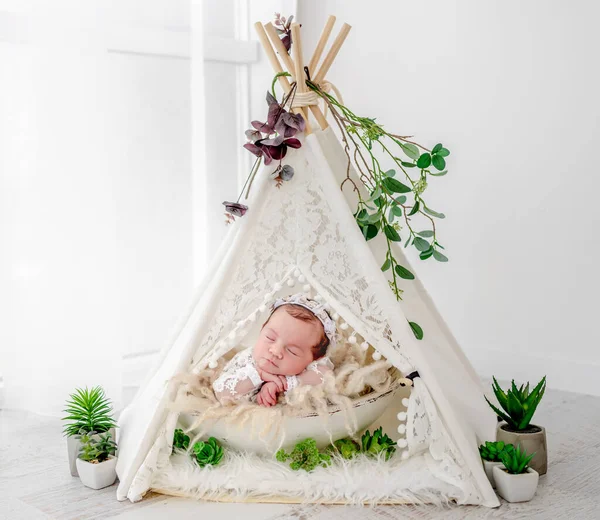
(97, 476)
(489, 466)
(515, 488)
(74, 446)
(531, 440)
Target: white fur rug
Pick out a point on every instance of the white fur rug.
(358, 481)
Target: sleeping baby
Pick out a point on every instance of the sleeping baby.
(290, 351)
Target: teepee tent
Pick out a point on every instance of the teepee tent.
(303, 236)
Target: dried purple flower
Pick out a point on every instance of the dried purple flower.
(283, 26)
(270, 152)
(253, 135)
(235, 208)
(279, 122)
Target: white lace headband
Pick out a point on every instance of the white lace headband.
(318, 309)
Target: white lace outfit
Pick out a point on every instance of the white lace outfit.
(242, 369)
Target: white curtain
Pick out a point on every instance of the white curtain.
(95, 207)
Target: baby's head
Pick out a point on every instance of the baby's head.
(290, 339)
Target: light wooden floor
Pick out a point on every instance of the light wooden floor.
(35, 482)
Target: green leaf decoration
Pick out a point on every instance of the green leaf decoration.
(433, 213)
(275, 81)
(411, 150)
(444, 152)
(425, 234)
(396, 210)
(415, 209)
(362, 216)
(438, 162)
(436, 148)
(426, 254)
(390, 173)
(370, 231)
(386, 265)
(401, 199)
(373, 217)
(421, 244)
(417, 330)
(424, 161)
(378, 202)
(395, 185)
(408, 164)
(391, 233)
(440, 257)
(403, 272)
(376, 193)
(440, 174)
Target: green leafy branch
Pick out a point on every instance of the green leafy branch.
(388, 208)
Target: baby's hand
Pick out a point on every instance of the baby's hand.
(280, 381)
(267, 395)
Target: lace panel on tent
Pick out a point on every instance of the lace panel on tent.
(425, 431)
(298, 229)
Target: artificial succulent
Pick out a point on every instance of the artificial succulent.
(180, 440)
(491, 451)
(518, 404)
(347, 448)
(208, 453)
(377, 443)
(305, 455)
(516, 461)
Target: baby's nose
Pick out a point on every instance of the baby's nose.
(276, 350)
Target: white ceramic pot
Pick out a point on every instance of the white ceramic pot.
(367, 409)
(532, 440)
(489, 466)
(74, 446)
(515, 488)
(97, 476)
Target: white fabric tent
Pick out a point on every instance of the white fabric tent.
(308, 225)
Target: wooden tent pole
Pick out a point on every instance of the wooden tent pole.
(312, 65)
(301, 83)
(335, 48)
(298, 58)
(283, 81)
(280, 49)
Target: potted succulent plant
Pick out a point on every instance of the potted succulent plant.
(518, 406)
(490, 454)
(88, 411)
(515, 480)
(97, 463)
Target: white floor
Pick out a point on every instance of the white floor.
(35, 482)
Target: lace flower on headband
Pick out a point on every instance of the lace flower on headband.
(318, 309)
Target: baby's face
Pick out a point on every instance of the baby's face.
(284, 345)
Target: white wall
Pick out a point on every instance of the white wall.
(511, 89)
